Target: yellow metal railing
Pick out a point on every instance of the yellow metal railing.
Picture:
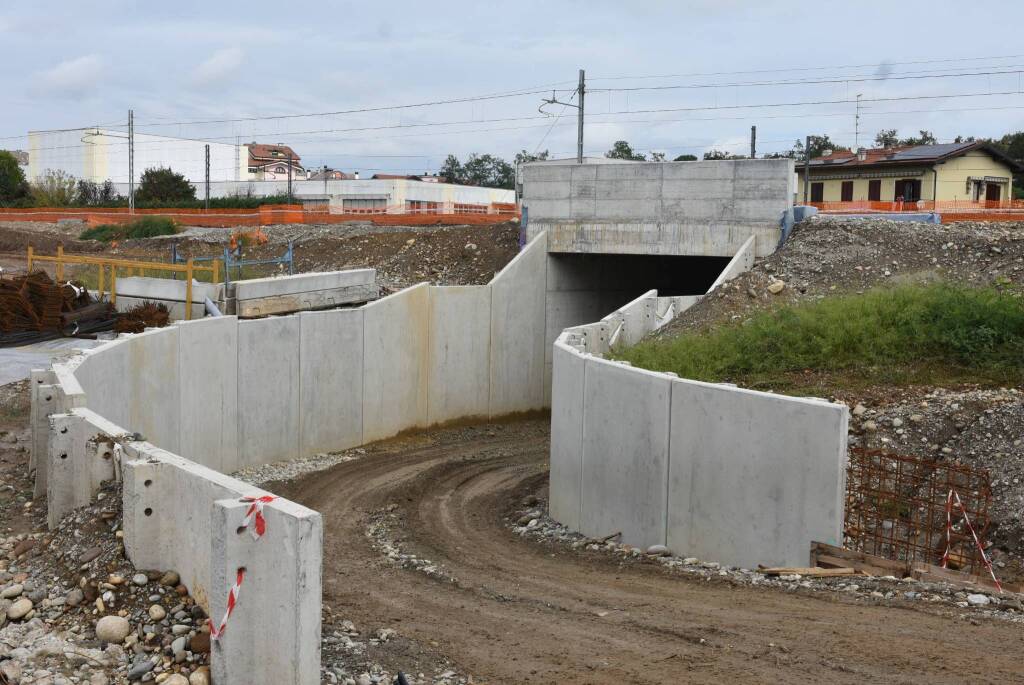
(132, 265)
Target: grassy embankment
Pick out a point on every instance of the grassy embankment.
(937, 334)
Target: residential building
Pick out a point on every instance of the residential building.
(271, 162)
(970, 172)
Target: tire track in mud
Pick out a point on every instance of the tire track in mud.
(521, 612)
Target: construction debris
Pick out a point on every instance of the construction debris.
(143, 316)
(33, 307)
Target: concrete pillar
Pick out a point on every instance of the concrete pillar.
(273, 636)
(43, 397)
(142, 487)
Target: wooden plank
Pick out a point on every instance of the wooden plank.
(809, 571)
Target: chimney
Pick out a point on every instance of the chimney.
(826, 153)
(356, 175)
(862, 154)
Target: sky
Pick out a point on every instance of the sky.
(675, 77)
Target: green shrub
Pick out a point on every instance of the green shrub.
(53, 189)
(143, 227)
(926, 333)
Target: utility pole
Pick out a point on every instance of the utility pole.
(807, 169)
(131, 162)
(289, 177)
(753, 142)
(207, 177)
(856, 125)
(581, 90)
(579, 119)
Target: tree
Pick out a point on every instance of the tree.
(524, 157)
(163, 185)
(657, 157)
(90, 193)
(819, 144)
(964, 139)
(452, 169)
(54, 189)
(12, 179)
(720, 154)
(685, 158)
(488, 171)
(925, 138)
(887, 137)
(622, 150)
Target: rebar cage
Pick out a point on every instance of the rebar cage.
(896, 508)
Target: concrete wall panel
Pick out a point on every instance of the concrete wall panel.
(154, 387)
(395, 363)
(625, 452)
(459, 352)
(268, 390)
(208, 373)
(331, 388)
(518, 332)
(566, 436)
(754, 477)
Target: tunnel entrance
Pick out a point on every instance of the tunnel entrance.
(583, 288)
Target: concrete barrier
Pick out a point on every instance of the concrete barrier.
(301, 292)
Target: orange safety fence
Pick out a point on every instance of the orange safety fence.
(424, 213)
(950, 217)
(862, 206)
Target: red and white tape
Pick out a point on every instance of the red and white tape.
(217, 631)
(255, 510)
(253, 515)
(954, 496)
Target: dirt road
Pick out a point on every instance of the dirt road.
(507, 610)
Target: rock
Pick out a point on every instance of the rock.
(19, 609)
(12, 591)
(11, 672)
(201, 676)
(385, 634)
(916, 418)
(869, 426)
(896, 423)
(141, 667)
(90, 554)
(178, 646)
(176, 679)
(200, 643)
(22, 548)
(98, 679)
(976, 600)
(859, 410)
(170, 579)
(776, 287)
(180, 629)
(659, 551)
(364, 679)
(113, 629)
(75, 597)
(157, 612)
(140, 579)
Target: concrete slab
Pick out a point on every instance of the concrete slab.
(518, 330)
(331, 387)
(625, 453)
(395, 363)
(566, 475)
(754, 477)
(268, 390)
(459, 354)
(208, 382)
(157, 289)
(306, 301)
(276, 286)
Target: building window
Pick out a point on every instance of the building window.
(992, 192)
(817, 192)
(847, 195)
(279, 170)
(365, 206)
(253, 170)
(875, 190)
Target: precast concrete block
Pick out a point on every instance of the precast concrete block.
(518, 332)
(143, 288)
(143, 500)
(268, 390)
(741, 262)
(754, 477)
(154, 392)
(275, 286)
(44, 403)
(331, 384)
(66, 488)
(208, 387)
(566, 474)
(458, 364)
(105, 374)
(273, 634)
(625, 453)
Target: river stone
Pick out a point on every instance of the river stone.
(176, 679)
(157, 612)
(201, 676)
(19, 609)
(12, 591)
(112, 629)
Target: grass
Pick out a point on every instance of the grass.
(913, 334)
(143, 227)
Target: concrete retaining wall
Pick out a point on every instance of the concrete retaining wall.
(679, 208)
(713, 471)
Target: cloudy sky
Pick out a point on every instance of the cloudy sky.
(678, 77)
